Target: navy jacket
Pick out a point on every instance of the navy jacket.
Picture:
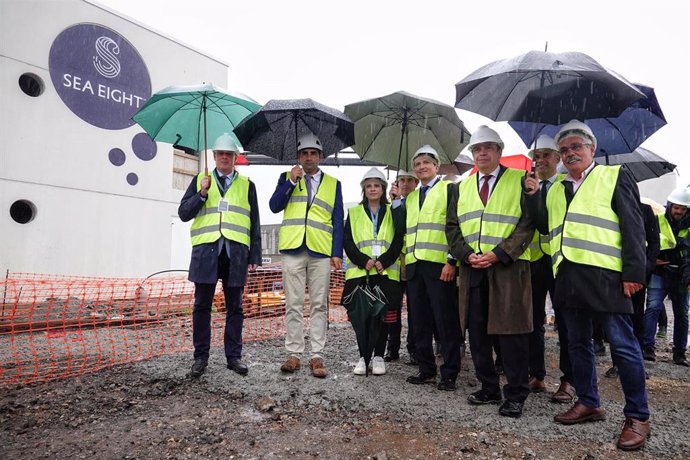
(203, 267)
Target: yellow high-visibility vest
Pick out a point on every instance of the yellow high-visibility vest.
(234, 224)
(362, 229)
(586, 232)
(426, 228)
(485, 227)
(314, 222)
(667, 238)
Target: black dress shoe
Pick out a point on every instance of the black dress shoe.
(239, 367)
(446, 385)
(511, 409)
(199, 367)
(413, 361)
(391, 357)
(421, 378)
(484, 397)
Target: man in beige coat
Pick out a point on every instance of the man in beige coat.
(489, 234)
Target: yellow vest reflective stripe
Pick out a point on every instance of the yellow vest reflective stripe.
(426, 228)
(539, 246)
(667, 239)
(316, 223)
(233, 224)
(586, 232)
(362, 230)
(483, 228)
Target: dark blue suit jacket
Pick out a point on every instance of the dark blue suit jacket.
(203, 267)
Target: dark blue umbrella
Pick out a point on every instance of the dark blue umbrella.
(273, 130)
(621, 134)
(545, 87)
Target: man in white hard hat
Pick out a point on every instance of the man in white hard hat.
(546, 158)
(671, 278)
(221, 251)
(430, 274)
(598, 250)
(404, 185)
(489, 231)
(311, 242)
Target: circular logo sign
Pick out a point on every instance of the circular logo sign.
(99, 75)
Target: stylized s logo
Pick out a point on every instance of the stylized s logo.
(106, 63)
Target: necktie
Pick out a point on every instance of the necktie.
(422, 194)
(544, 190)
(223, 184)
(308, 181)
(484, 191)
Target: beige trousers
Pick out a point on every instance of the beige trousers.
(300, 270)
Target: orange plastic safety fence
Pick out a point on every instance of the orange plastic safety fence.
(54, 327)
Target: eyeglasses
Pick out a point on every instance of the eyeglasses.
(574, 147)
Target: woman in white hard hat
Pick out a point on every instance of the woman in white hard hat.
(374, 235)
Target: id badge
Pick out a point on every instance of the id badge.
(376, 250)
(223, 205)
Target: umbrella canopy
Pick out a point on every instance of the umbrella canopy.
(641, 163)
(273, 131)
(545, 87)
(365, 310)
(389, 129)
(621, 134)
(176, 114)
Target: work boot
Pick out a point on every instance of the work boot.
(649, 354)
(679, 359)
(317, 367)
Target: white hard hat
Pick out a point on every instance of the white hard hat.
(484, 134)
(403, 173)
(426, 150)
(374, 173)
(576, 128)
(543, 142)
(309, 141)
(680, 196)
(227, 143)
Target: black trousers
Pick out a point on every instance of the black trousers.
(514, 349)
(234, 315)
(434, 302)
(542, 284)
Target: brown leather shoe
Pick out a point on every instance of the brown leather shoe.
(565, 394)
(317, 368)
(580, 413)
(536, 385)
(291, 365)
(634, 434)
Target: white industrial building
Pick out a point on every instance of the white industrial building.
(81, 192)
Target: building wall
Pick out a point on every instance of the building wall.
(93, 215)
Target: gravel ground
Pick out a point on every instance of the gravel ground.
(152, 409)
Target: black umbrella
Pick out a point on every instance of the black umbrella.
(389, 129)
(641, 163)
(621, 134)
(366, 308)
(545, 87)
(273, 131)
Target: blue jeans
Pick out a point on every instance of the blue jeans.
(660, 287)
(624, 350)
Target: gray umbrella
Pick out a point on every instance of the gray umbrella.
(641, 163)
(273, 130)
(544, 87)
(389, 129)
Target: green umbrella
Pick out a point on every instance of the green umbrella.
(365, 310)
(187, 116)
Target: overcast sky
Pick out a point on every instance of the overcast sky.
(342, 52)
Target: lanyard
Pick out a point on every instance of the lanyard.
(375, 220)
